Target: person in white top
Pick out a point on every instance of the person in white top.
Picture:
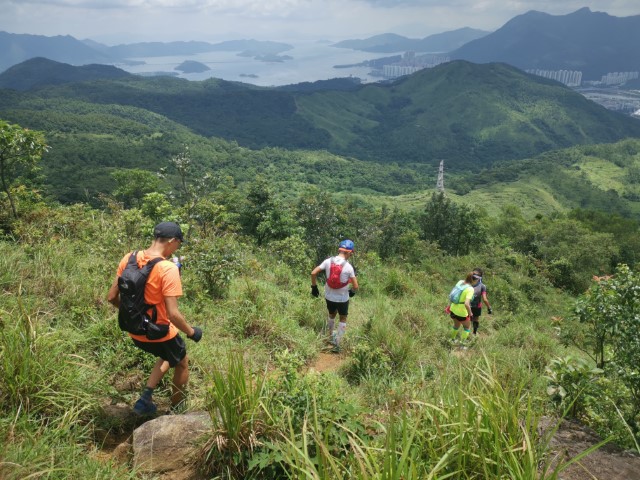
(340, 274)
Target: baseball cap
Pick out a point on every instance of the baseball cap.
(346, 246)
(168, 230)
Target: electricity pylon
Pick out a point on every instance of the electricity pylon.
(440, 184)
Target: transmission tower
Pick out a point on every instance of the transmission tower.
(440, 184)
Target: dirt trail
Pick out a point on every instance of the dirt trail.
(327, 362)
(607, 463)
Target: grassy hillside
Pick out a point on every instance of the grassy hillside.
(398, 389)
(599, 177)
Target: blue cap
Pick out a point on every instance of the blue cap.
(346, 246)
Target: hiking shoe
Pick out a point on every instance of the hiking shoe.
(335, 349)
(144, 407)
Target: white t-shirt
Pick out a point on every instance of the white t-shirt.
(339, 295)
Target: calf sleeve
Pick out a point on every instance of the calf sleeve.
(342, 327)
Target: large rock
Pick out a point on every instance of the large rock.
(165, 444)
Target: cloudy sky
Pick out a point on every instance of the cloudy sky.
(125, 21)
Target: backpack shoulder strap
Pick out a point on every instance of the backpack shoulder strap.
(133, 259)
(148, 267)
(153, 261)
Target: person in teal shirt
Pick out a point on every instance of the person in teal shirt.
(460, 311)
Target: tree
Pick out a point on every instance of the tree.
(453, 228)
(395, 225)
(20, 152)
(264, 217)
(318, 216)
(133, 185)
(194, 188)
(572, 253)
(610, 313)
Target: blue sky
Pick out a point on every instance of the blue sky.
(126, 21)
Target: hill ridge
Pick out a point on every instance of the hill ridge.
(593, 42)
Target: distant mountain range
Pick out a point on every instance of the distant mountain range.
(392, 43)
(159, 49)
(16, 48)
(593, 42)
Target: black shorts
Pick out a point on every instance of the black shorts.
(456, 317)
(341, 307)
(476, 311)
(173, 351)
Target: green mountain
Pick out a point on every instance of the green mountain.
(604, 177)
(39, 72)
(469, 115)
(592, 42)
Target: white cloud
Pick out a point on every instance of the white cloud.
(122, 21)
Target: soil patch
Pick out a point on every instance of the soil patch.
(327, 362)
(607, 463)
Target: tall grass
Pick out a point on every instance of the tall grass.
(477, 428)
(40, 374)
(48, 398)
(235, 404)
(53, 450)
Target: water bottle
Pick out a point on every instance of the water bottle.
(178, 263)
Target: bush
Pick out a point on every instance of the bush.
(572, 385)
(214, 262)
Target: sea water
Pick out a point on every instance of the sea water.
(309, 62)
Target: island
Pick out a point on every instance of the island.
(191, 66)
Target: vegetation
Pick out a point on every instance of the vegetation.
(20, 151)
(94, 141)
(469, 115)
(403, 405)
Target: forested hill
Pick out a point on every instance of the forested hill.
(470, 115)
(40, 72)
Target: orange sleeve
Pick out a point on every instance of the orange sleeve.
(171, 283)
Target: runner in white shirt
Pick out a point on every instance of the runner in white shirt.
(340, 274)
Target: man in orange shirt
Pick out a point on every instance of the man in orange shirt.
(162, 289)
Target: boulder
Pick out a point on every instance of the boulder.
(166, 444)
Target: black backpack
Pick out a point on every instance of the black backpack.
(132, 314)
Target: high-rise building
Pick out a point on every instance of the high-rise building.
(571, 78)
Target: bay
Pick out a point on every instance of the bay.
(309, 62)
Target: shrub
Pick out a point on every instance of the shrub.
(572, 384)
(214, 262)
